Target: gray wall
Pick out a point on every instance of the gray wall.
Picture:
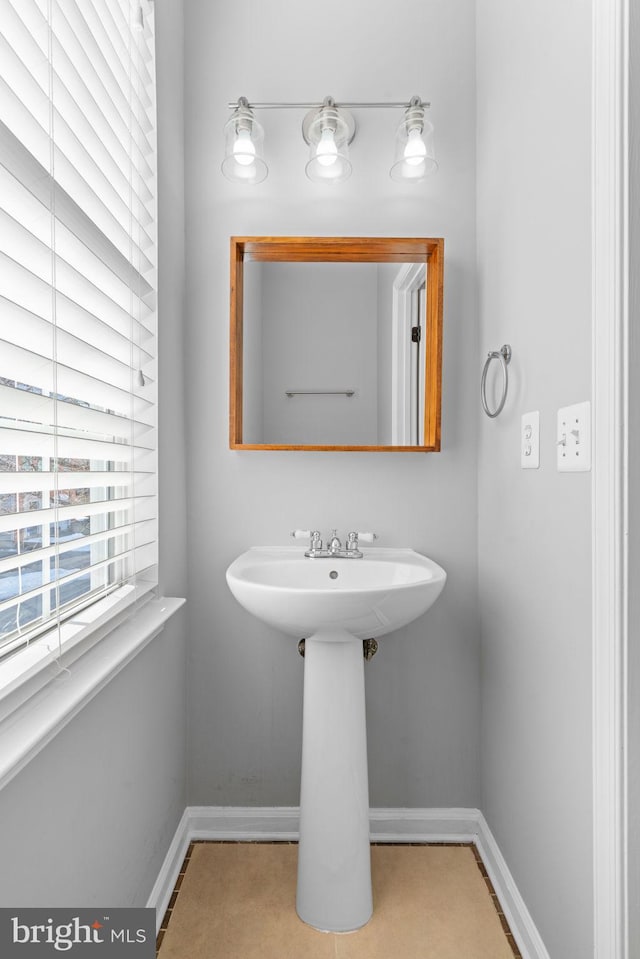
(319, 333)
(387, 272)
(252, 357)
(534, 281)
(245, 680)
(89, 820)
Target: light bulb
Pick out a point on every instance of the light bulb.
(244, 149)
(327, 151)
(415, 149)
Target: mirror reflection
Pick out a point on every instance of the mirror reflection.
(321, 365)
(338, 354)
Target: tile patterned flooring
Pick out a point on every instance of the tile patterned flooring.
(237, 901)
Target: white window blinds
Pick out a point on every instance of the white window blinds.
(77, 308)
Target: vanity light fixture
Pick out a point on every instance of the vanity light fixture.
(243, 155)
(328, 129)
(414, 156)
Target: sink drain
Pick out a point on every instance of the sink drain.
(333, 574)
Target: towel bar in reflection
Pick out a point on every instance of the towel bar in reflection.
(291, 393)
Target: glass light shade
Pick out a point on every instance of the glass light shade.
(244, 147)
(414, 152)
(328, 134)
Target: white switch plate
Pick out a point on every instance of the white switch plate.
(530, 441)
(574, 438)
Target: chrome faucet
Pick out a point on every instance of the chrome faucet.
(334, 545)
(334, 548)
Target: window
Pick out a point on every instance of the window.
(77, 312)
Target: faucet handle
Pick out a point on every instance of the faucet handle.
(352, 541)
(313, 535)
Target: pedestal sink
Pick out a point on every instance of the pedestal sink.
(333, 604)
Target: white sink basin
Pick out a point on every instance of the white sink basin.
(367, 597)
(334, 604)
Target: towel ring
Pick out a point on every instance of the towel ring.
(504, 355)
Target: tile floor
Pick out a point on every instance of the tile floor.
(237, 901)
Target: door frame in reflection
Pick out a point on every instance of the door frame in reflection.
(408, 359)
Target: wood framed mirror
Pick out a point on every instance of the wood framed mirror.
(336, 343)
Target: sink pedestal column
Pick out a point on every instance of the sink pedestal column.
(334, 858)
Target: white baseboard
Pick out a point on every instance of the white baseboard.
(513, 906)
(165, 883)
(423, 825)
(268, 824)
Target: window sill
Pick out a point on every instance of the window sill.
(27, 728)
(31, 668)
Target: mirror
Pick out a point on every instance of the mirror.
(336, 343)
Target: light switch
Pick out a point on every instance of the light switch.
(530, 441)
(573, 439)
